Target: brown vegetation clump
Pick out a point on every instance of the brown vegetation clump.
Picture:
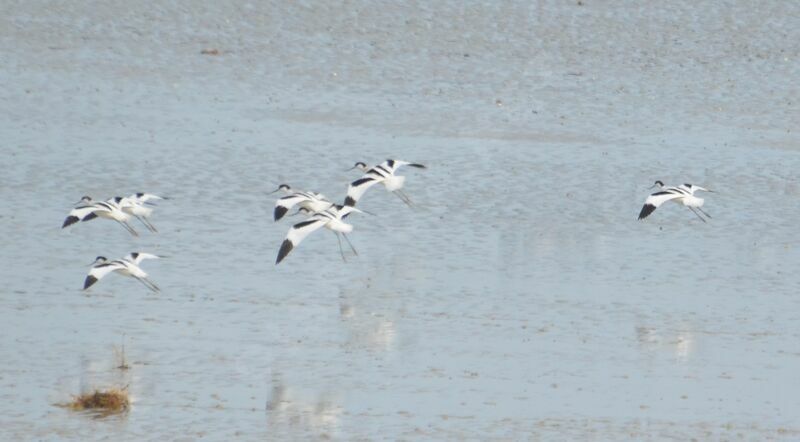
(110, 401)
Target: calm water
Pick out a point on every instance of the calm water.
(519, 299)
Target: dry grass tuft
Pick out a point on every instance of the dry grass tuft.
(106, 402)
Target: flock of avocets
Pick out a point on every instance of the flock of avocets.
(320, 212)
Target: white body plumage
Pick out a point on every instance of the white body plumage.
(683, 194)
(312, 201)
(127, 266)
(384, 173)
(331, 218)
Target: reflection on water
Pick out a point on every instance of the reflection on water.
(292, 409)
(680, 343)
(373, 331)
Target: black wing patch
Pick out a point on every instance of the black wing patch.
(286, 247)
(360, 181)
(647, 209)
(279, 212)
(302, 224)
(380, 168)
(70, 221)
(89, 281)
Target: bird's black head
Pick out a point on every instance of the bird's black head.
(284, 187)
(139, 194)
(86, 199)
(359, 165)
(100, 259)
(302, 211)
(117, 199)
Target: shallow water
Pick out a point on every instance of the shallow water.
(519, 299)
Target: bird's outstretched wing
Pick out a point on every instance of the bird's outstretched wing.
(298, 233)
(357, 188)
(97, 272)
(374, 175)
(137, 257)
(83, 213)
(655, 200)
(393, 165)
(282, 205)
(142, 197)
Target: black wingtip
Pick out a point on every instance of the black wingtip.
(349, 202)
(89, 217)
(70, 221)
(418, 166)
(89, 281)
(647, 209)
(286, 247)
(279, 212)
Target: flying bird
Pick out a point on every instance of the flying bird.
(142, 197)
(137, 257)
(88, 210)
(127, 266)
(312, 201)
(683, 194)
(382, 173)
(138, 209)
(331, 218)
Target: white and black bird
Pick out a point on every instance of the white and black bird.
(382, 173)
(683, 194)
(137, 209)
(331, 218)
(137, 257)
(303, 211)
(88, 210)
(142, 197)
(127, 266)
(312, 201)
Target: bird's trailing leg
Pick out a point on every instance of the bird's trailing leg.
(698, 215)
(147, 284)
(341, 251)
(351, 244)
(153, 284)
(407, 198)
(147, 224)
(403, 197)
(128, 228)
(704, 212)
